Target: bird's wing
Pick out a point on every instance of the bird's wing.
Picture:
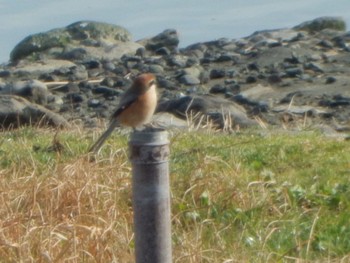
(128, 98)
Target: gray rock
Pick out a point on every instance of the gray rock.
(74, 54)
(194, 71)
(106, 91)
(52, 67)
(222, 112)
(5, 73)
(76, 73)
(163, 51)
(321, 23)
(84, 39)
(305, 109)
(169, 121)
(16, 111)
(34, 90)
(69, 87)
(177, 61)
(168, 38)
(156, 69)
(217, 73)
(251, 79)
(94, 103)
(189, 80)
(75, 97)
(294, 72)
(317, 67)
(331, 80)
(257, 96)
(218, 89)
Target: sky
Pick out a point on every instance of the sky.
(195, 20)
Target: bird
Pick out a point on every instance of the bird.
(136, 107)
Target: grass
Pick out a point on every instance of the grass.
(240, 197)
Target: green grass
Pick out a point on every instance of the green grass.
(235, 198)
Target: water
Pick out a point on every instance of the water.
(195, 20)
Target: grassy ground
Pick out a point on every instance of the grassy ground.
(235, 198)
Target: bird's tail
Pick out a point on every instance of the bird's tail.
(97, 145)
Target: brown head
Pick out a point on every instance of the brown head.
(143, 83)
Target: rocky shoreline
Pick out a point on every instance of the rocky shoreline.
(292, 78)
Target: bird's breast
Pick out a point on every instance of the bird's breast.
(141, 111)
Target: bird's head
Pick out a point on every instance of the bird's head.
(144, 82)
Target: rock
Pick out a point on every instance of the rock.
(257, 97)
(326, 43)
(251, 79)
(220, 111)
(177, 61)
(314, 66)
(301, 110)
(5, 73)
(69, 87)
(16, 111)
(166, 84)
(189, 80)
(321, 23)
(108, 65)
(274, 78)
(195, 71)
(290, 96)
(167, 39)
(163, 51)
(331, 80)
(94, 103)
(34, 90)
(75, 97)
(168, 120)
(78, 72)
(74, 54)
(77, 41)
(336, 101)
(91, 30)
(92, 64)
(156, 69)
(274, 36)
(217, 73)
(106, 91)
(52, 67)
(284, 56)
(307, 71)
(294, 72)
(217, 89)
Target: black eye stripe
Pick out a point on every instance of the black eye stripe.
(151, 82)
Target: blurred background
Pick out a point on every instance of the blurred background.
(196, 21)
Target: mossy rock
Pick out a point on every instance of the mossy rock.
(321, 23)
(79, 33)
(40, 42)
(98, 31)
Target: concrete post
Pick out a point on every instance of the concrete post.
(149, 152)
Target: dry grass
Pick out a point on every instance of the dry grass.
(55, 210)
(235, 198)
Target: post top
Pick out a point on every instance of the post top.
(149, 136)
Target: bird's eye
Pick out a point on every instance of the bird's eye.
(151, 82)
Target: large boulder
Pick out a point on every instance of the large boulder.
(49, 69)
(16, 111)
(223, 113)
(96, 38)
(318, 24)
(168, 39)
(34, 90)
